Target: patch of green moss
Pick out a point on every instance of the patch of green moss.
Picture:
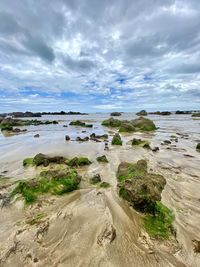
(80, 123)
(104, 185)
(117, 140)
(126, 127)
(111, 122)
(6, 127)
(102, 159)
(76, 162)
(159, 225)
(130, 171)
(28, 162)
(54, 182)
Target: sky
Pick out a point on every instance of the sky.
(99, 55)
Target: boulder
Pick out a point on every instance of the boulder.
(76, 162)
(94, 137)
(155, 149)
(117, 140)
(143, 124)
(140, 188)
(126, 126)
(198, 146)
(111, 122)
(79, 139)
(36, 136)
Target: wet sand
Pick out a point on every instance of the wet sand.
(78, 228)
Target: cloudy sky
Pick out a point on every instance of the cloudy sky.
(92, 55)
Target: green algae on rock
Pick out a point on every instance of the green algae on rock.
(198, 147)
(55, 181)
(28, 162)
(139, 124)
(117, 140)
(142, 113)
(104, 185)
(45, 160)
(80, 123)
(76, 162)
(102, 159)
(140, 142)
(143, 191)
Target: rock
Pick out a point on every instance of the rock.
(94, 137)
(106, 146)
(137, 186)
(80, 123)
(76, 162)
(67, 137)
(117, 140)
(65, 126)
(95, 179)
(142, 113)
(111, 122)
(196, 114)
(41, 159)
(4, 200)
(102, 159)
(155, 149)
(115, 114)
(36, 136)
(79, 139)
(143, 124)
(107, 235)
(167, 142)
(126, 127)
(163, 113)
(198, 146)
(196, 244)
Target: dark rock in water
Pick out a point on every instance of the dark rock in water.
(106, 146)
(198, 146)
(117, 140)
(83, 131)
(79, 139)
(167, 142)
(163, 113)
(94, 137)
(115, 114)
(65, 125)
(154, 149)
(188, 156)
(36, 136)
(102, 159)
(80, 123)
(67, 138)
(137, 186)
(26, 114)
(41, 159)
(183, 112)
(95, 179)
(142, 113)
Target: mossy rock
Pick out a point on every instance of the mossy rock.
(198, 147)
(76, 162)
(137, 186)
(95, 179)
(111, 122)
(102, 159)
(28, 162)
(126, 127)
(57, 182)
(196, 114)
(117, 140)
(159, 224)
(80, 123)
(45, 160)
(6, 128)
(143, 124)
(104, 185)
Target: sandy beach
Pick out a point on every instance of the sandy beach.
(93, 226)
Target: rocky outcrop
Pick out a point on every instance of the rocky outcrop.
(137, 186)
(41, 159)
(76, 162)
(95, 137)
(102, 159)
(80, 123)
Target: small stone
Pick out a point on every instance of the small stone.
(67, 138)
(36, 135)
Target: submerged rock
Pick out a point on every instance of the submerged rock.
(76, 162)
(67, 137)
(79, 139)
(80, 123)
(137, 186)
(117, 140)
(36, 136)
